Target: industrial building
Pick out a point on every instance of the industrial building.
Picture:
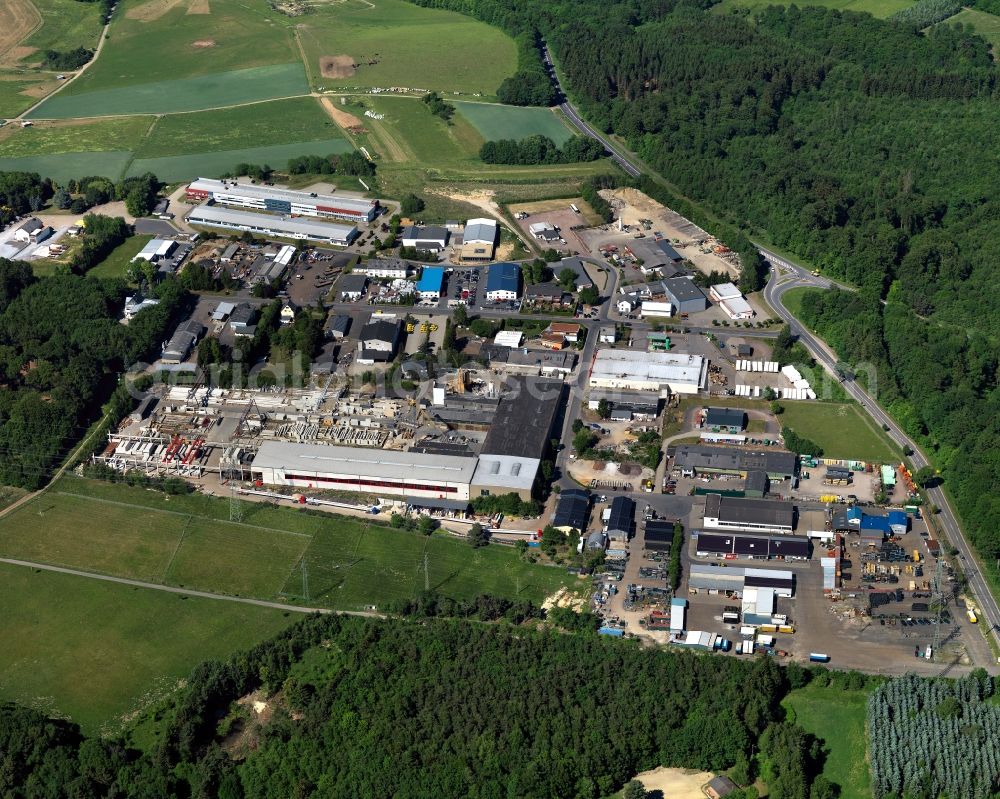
(735, 580)
(667, 251)
(155, 250)
(620, 522)
(634, 404)
(378, 341)
(751, 546)
(478, 241)
(284, 201)
(751, 515)
(177, 349)
(685, 295)
(731, 300)
(350, 288)
(659, 535)
(272, 225)
(428, 239)
(524, 361)
(652, 371)
(503, 282)
(374, 471)
(431, 283)
(571, 510)
(576, 264)
(654, 308)
(391, 268)
(695, 459)
(731, 419)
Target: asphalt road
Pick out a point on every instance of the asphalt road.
(617, 155)
(786, 275)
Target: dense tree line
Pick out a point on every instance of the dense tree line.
(352, 163)
(925, 13)
(531, 84)
(438, 106)
(100, 236)
(423, 708)
(69, 59)
(541, 150)
(61, 349)
(22, 193)
(846, 140)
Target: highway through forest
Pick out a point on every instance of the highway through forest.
(787, 275)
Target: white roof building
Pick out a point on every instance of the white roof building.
(649, 371)
(508, 338)
(724, 291)
(480, 231)
(272, 225)
(731, 300)
(654, 308)
(155, 249)
(505, 474)
(371, 471)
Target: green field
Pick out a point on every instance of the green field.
(12, 85)
(986, 25)
(63, 166)
(236, 35)
(187, 541)
(250, 126)
(173, 168)
(841, 429)
(414, 47)
(46, 138)
(838, 718)
(512, 122)
(95, 651)
(792, 300)
(411, 134)
(877, 8)
(66, 25)
(120, 257)
(183, 94)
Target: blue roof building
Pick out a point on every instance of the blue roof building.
(430, 283)
(898, 521)
(503, 281)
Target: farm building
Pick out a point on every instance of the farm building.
(429, 239)
(751, 545)
(351, 288)
(372, 471)
(284, 201)
(571, 511)
(503, 282)
(272, 225)
(621, 519)
(751, 515)
(695, 459)
(659, 535)
(731, 419)
(182, 342)
(685, 295)
(431, 282)
(653, 371)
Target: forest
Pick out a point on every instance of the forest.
(61, 353)
(541, 150)
(433, 707)
(865, 147)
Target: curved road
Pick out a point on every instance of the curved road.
(786, 275)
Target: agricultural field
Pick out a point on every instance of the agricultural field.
(162, 42)
(75, 136)
(877, 8)
(63, 166)
(986, 25)
(841, 429)
(251, 126)
(188, 541)
(174, 168)
(20, 89)
(183, 94)
(387, 43)
(119, 258)
(66, 25)
(97, 652)
(513, 122)
(842, 733)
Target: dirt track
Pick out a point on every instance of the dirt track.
(342, 118)
(152, 9)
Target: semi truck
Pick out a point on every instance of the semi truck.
(818, 657)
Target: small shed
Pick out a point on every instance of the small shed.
(720, 786)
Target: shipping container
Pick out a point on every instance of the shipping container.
(818, 657)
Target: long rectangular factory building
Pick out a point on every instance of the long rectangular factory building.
(649, 371)
(751, 545)
(273, 225)
(730, 579)
(285, 201)
(380, 472)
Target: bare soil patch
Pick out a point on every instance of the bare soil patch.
(675, 783)
(337, 66)
(202, 43)
(18, 18)
(16, 55)
(199, 7)
(38, 90)
(152, 9)
(341, 117)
